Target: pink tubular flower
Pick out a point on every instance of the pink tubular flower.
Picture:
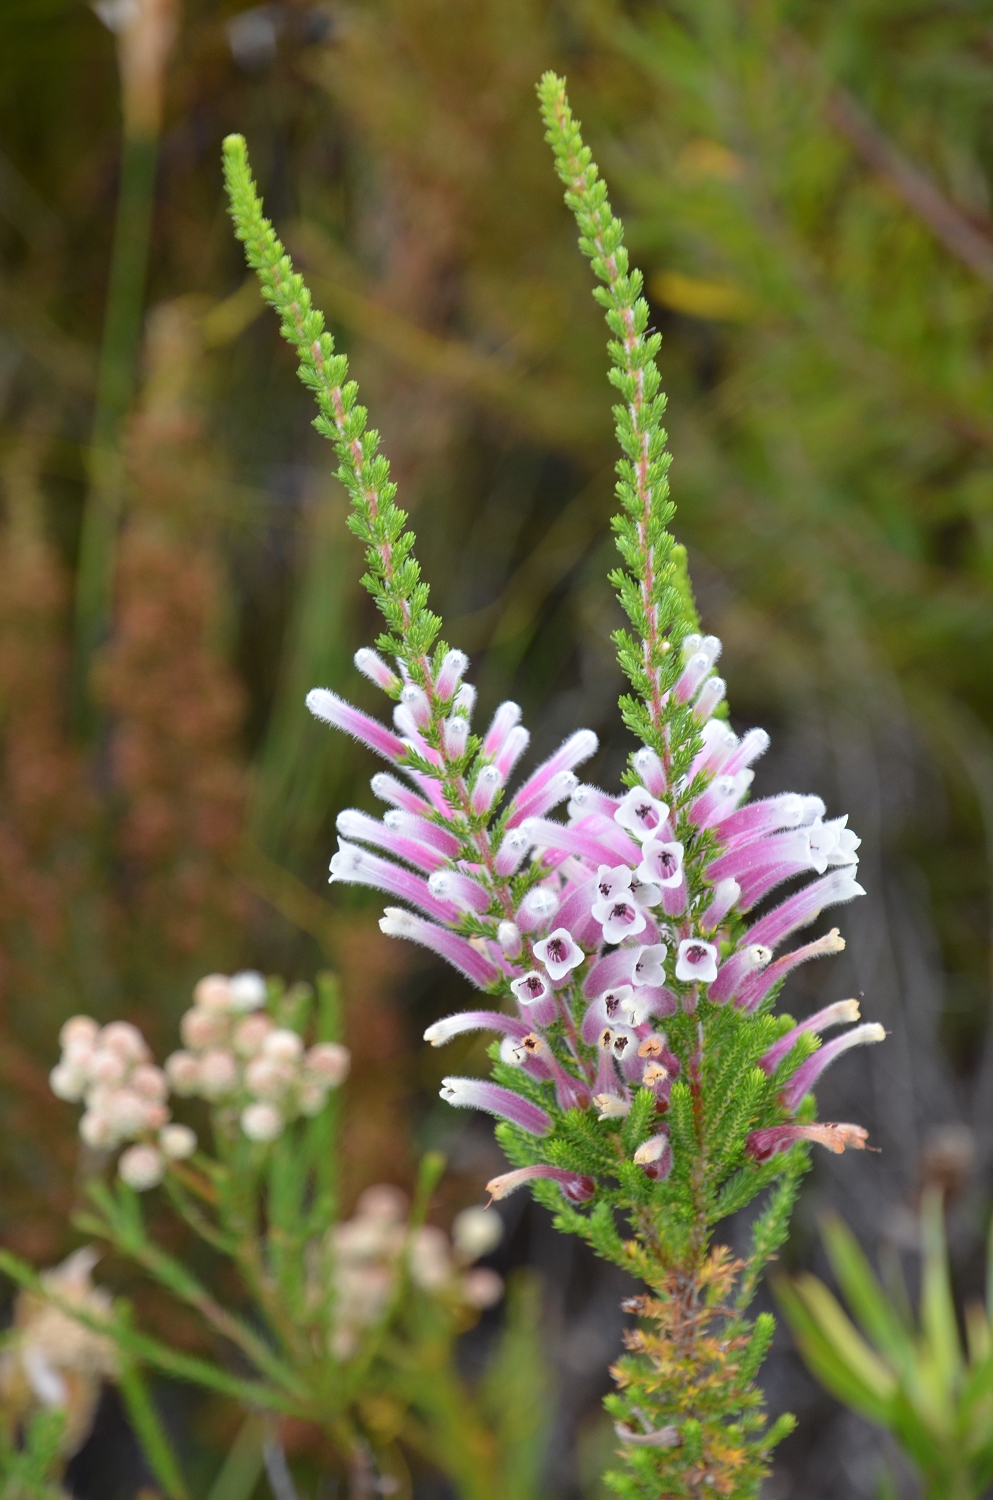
(841, 1013)
(389, 789)
(458, 890)
(755, 989)
(372, 665)
(453, 668)
(460, 954)
(767, 815)
(762, 1145)
(725, 896)
(513, 847)
(326, 705)
(577, 748)
(587, 800)
(655, 1155)
(721, 798)
(537, 909)
(357, 866)
(649, 769)
(512, 749)
(440, 1032)
(563, 839)
(476, 1093)
(488, 783)
(358, 825)
(506, 718)
(719, 739)
(576, 1189)
(746, 752)
(559, 953)
(735, 970)
(808, 1073)
(833, 889)
(422, 831)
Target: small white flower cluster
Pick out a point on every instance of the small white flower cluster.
(365, 1253)
(233, 1054)
(110, 1070)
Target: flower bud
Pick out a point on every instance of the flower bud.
(150, 1082)
(177, 1142)
(212, 992)
(247, 990)
(283, 1046)
(124, 1039)
(67, 1083)
(79, 1030)
(201, 1028)
(453, 669)
(269, 1077)
(372, 665)
(218, 1074)
(141, 1167)
(97, 1131)
(475, 1232)
(329, 1062)
(183, 1072)
(262, 1122)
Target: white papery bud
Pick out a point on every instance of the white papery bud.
(268, 1078)
(124, 1039)
(218, 1074)
(329, 1062)
(311, 1098)
(482, 1287)
(250, 1035)
(201, 1028)
(262, 1122)
(127, 1113)
(430, 1258)
(150, 1082)
(97, 1131)
(79, 1030)
(177, 1142)
(141, 1167)
(283, 1046)
(248, 990)
(183, 1072)
(67, 1083)
(213, 992)
(107, 1066)
(475, 1232)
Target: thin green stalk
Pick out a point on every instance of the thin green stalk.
(115, 392)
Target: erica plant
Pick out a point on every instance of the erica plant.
(643, 1085)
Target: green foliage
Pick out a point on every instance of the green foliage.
(30, 1468)
(653, 593)
(393, 578)
(378, 1380)
(917, 1380)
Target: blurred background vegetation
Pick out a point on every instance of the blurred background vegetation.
(808, 189)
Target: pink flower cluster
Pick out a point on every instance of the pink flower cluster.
(364, 1258)
(597, 928)
(110, 1070)
(236, 1054)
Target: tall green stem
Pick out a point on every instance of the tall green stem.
(115, 392)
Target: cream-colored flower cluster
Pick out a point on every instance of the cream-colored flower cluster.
(52, 1361)
(110, 1070)
(235, 1054)
(365, 1255)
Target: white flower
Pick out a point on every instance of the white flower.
(696, 961)
(283, 1046)
(662, 864)
(177, 1142)
(79, 1031)
(647, 968)
(611, 883)
(329, 1062)
(217, 1074)
(141, 1167)
(67, 1083)
(641, 813)
(559, 952)
(531, 988)
(247, 990)
(124, 1039)
(619, 918)
(475, 1232)
(250, 1034)
(262, 1122)
(183, 1072)
(213, 992)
